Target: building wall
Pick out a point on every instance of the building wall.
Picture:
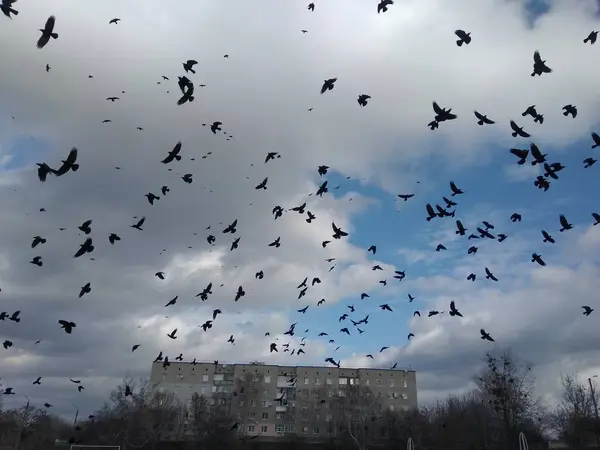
(305, 392)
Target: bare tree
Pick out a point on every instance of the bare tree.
(208, 424)
(508, 386)
(574, 417)
(29, 427)
(137, 414)
(355, 411)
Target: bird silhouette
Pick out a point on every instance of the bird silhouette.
(47, 32)
(463, 37)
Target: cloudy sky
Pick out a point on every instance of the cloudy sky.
(404, 59)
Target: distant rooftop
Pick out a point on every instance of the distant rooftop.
(261, 363)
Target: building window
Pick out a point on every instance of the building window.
(316, 393)
(317, 380)
(205, 378)
(204, 390)
(252, 403)
(267, 379)
(304, 430)
(266, 403)
(265, 416)
(378, 382)
(306, 381)
(404, 384)
(279, 416)
(290, 429)
(251, 428)
(343, 381)
(315, 430)
(279, 429)
(214, 388)
(251, 415)
(366, 382)
(404, 397)
(329, 418)
(263, 429)
(328, 381)
(317, 417)
(218, 377)
(391, 383)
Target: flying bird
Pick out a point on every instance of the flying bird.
(483, 119)
(362, 99)
(591, 38)
(539, 65)
(173, 154)
(47, 32)
(328, 85)
(570, 109)
(189, 64)
(486, 336)
(518, 131)
(383, 5)
(69, 163)
(463, 37)
(7, 9)
(216, 126)
(564, 223)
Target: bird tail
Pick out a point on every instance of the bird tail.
(191, 99)
(54, 35)
(459, 43)
(178, 157)
(480, 122)
(428, 219)
(14, 11)
(75, 167)
(595, 145)
(586, 40)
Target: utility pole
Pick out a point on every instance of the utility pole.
(76, 414)
(593, 393)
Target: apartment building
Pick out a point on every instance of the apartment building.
(271, 401)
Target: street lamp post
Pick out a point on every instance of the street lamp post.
(595, 403)
(593, 395)
(76, 414)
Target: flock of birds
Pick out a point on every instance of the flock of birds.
(445, 208)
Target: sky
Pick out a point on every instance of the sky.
(404, 59)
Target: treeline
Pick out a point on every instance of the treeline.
(501, 405)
